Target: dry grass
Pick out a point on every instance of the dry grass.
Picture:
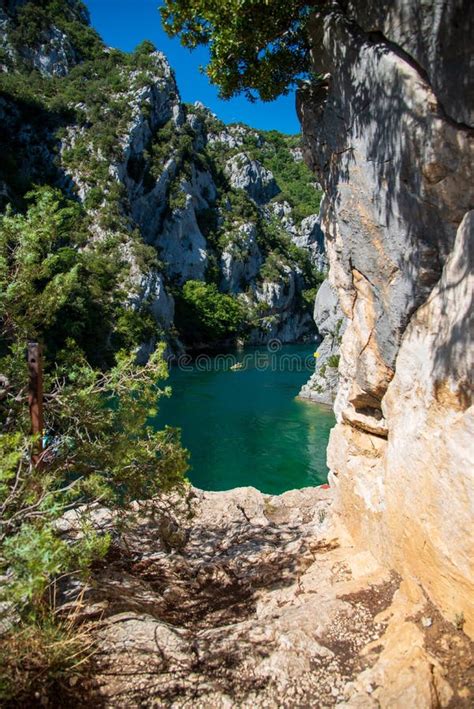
(43, 661)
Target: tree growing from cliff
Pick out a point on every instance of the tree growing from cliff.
(256, 47)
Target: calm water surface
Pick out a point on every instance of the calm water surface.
(246, 427)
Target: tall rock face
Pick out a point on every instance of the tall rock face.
(388, 130)
(331, 323)
(214, 203)
(46, 36)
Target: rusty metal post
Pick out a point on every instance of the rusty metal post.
(35, 398)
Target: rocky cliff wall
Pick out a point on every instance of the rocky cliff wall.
(331, 323)
(387, 130)
(226, 205)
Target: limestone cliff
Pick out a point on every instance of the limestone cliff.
(331, 323)
(388, 130)
(215, 203)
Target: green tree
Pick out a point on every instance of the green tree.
(67, 290)
(51, 283)
(56, 284)
(204, 315)
(256, 47)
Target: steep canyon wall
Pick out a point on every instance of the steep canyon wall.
(388, 130)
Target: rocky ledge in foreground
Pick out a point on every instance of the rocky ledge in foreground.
(254, 600)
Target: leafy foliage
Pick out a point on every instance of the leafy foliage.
(255, 47)
(99, 444)
(294, 178)
(206, 316)
(51, 284)
(333, 361)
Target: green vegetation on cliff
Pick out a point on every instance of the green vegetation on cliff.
(33, 22)
(295, 179)
(207, 316)
(85, 116)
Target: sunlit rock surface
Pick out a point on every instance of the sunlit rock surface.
(331, 323)
(250, 600)
(251, 176)
(241, 259)
(386, 129)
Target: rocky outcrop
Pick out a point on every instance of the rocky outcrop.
(183, 247)
(276, 299)
(55, 55)
(241, 259)
(386, 130)
(251, 600)
(307, 235)
(232, 136)
(41, 42)
(331, 323)
(310, 236)
(251, 176)
(153, 290)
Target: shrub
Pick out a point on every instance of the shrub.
(295, 179)
(203, 315)
(309, 296)
(39, 660)
(50, 286)
(68, 292)
(272, 269)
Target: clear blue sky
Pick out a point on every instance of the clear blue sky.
(125, 23)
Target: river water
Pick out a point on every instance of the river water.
(245, 426)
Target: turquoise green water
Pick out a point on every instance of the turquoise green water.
(246, 427)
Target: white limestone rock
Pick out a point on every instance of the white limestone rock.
(55, 56)
(241, 259)
(386, 128)
(182, 245)
(310, 236)
(251, 176)
(331, 324)
(283, 318)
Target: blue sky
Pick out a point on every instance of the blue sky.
(125, 23)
